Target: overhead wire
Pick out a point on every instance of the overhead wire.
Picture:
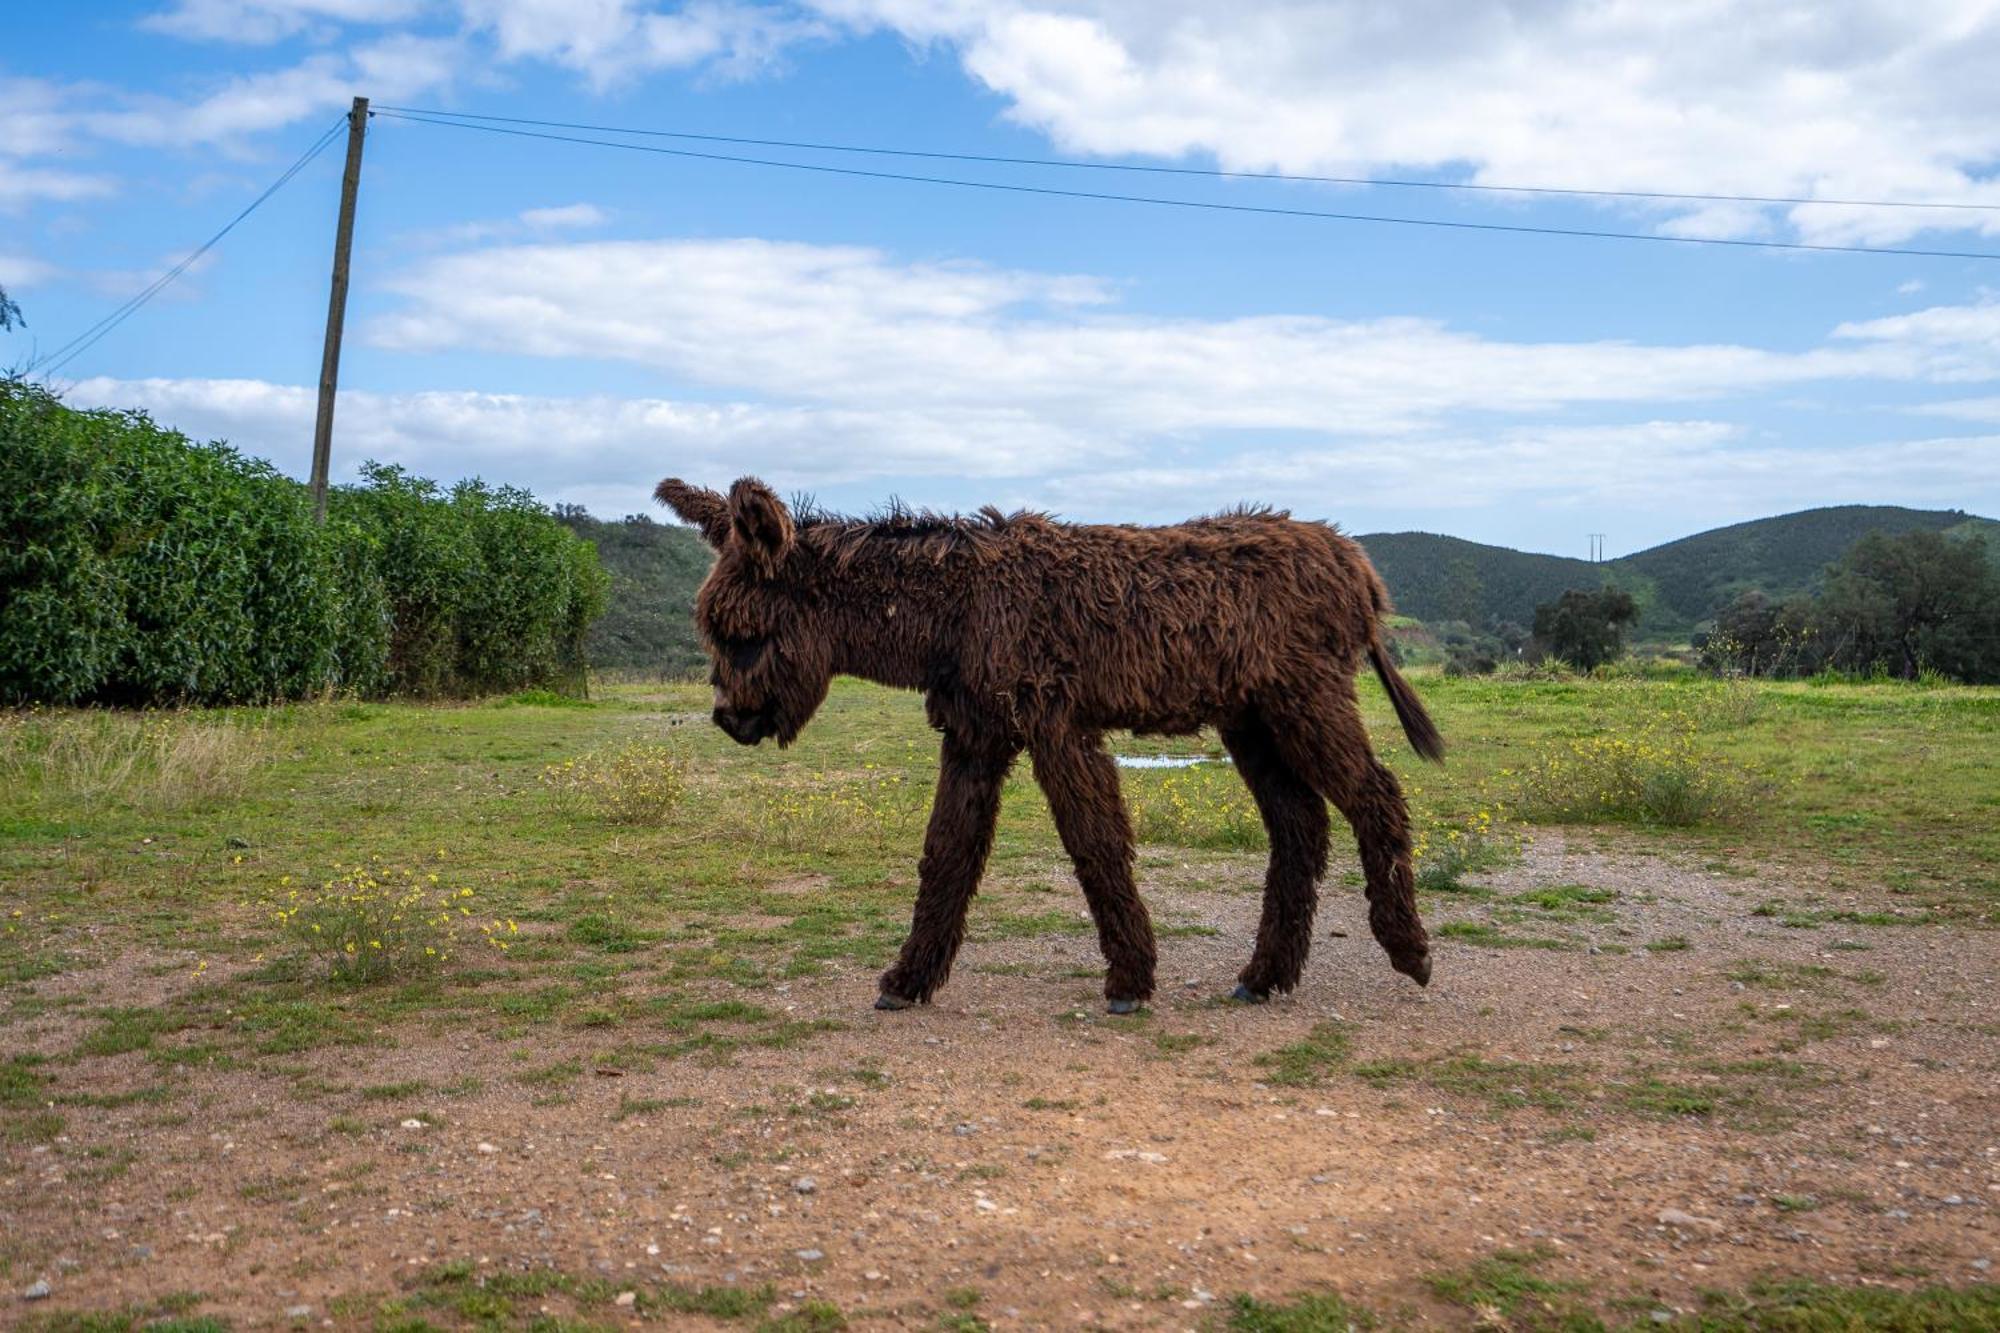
(1011, 187)
(84, 341)
(1211, 172)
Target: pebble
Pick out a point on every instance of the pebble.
(413, 1123)
(627, 1298)
(298, 1312)
(1982, 1264)
(805, 1185)
(38, 1292)
(1674, 1217)
(488, 1147)
(810, 1256)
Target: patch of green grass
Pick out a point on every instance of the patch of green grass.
(1307, 1063)
(1669, 944)
(1768, 974)
(1486, 935)
(812, 1316)
(1809, 1307)
(1505, 1290)
(1314, 1312)
(1502, 1085)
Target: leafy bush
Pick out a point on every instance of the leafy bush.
(634, 784)
(374, 923)
(1206, 806)
(145, 568)
(1660, 775)
(1480, 841)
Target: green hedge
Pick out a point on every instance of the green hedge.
(141, 567)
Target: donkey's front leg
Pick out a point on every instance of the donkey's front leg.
(970, 777)
(1082, 786)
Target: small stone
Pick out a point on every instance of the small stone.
(964, 1130)
(1674, 1217)
(38, 1292)
(627, 1298)
(1982, 1264)
(810, 1256)
(804, 1185)
(1953, 1200)
(1662, 1316)
(488, 1147)
(298, 1312)
(413, 1123)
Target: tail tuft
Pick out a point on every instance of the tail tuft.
(1417, 725)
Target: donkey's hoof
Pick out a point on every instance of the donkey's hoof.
(887, 1001)
(1247, 996)
(1417, 967)
(1121, 1006)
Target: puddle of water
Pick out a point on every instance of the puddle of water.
(1164, 760)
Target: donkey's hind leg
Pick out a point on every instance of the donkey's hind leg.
(1295, 818)
(1081, 784)
(1321, 736)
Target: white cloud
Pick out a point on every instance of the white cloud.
(563, 216)
(1983, 410)
(317, 87)
(610, 41)
(567, 447)
(20, 186)
(19, 270)
(258, 22)
(842, 325)
(605, 452)
(1892, 99)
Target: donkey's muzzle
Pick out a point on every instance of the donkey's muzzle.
(745, 728)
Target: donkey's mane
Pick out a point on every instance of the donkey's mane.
(923, 533)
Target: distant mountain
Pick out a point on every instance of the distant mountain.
(655, 569)
(1676, 584)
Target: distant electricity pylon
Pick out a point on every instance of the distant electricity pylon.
(1596, 548)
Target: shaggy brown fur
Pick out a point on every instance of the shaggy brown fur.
(1023, 632)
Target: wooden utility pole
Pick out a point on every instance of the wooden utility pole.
(336, 307)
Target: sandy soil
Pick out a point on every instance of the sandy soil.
(1076, 1169)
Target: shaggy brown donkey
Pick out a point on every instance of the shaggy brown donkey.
(1025, 632)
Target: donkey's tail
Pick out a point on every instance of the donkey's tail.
(1417, 725)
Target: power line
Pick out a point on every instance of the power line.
(1208, 205)
(1213, 172)
(83, 342)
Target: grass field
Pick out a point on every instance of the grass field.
(605, 973)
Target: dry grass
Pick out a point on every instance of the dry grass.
(155, 760)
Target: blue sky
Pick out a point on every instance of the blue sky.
(583, 321)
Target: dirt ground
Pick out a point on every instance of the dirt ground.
(1745, 1098)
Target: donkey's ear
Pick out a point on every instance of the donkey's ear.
(759, 521)
(703, 508)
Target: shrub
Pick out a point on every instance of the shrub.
(144, 568)
(376, 923)
(639, 783)
(1206, 806)
(821, 811)
(1453, 849)
(1660, 775)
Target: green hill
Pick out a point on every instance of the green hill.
(1676, 584)
(1433, 577)
(655, 569)
(1778, 556)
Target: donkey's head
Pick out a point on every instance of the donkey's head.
(771, 659)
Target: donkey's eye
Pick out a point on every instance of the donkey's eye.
(744, 653)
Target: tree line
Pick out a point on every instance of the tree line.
(141, 567)
(1900, 605)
